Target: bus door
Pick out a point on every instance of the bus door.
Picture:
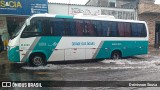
(28, 40)
(37, 38)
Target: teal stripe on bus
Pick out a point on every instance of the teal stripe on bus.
(46, 45)
(127, 48)
(63, 16)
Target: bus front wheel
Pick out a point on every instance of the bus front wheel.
(116, 55)
(37, 60)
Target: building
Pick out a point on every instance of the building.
(127, 4)
(146, 11)
(71, 9)
(14, 12)
(151, 14)
(102, 3)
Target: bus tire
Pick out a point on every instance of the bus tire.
(37, 59)
(116, 55)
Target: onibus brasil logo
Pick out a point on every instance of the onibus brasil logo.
(20, 84)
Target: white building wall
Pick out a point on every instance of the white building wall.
(73, 9)
(91, 10)
(58, 9)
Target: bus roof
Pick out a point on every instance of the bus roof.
(85, 17)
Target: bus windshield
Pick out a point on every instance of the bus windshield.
(17, 31)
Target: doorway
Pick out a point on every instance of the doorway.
(157, 34)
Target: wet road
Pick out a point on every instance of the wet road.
(138, 68)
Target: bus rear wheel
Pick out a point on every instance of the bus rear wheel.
(116, 55)
(37, 60)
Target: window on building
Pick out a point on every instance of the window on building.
(112, 4)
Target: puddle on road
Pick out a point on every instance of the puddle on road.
(119, 64)
(129, 63)
(133, 62)
(47, 67)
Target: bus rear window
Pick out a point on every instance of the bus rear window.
(138, 30)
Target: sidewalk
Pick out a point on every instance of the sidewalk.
(3, 57)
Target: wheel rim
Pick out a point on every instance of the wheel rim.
(37, 61)
(115, 56)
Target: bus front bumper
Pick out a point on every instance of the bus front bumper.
(13, 54)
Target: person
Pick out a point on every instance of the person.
(5, 39)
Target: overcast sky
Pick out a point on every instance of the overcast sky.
(157, 2)
(81, 1)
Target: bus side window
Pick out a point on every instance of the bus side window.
(79, 27)
(124, 29)
(94, 25)
(73, 28)
(45, 27)
(138, 30)
(89, 29)
(57, 26)
(143, 32)
(70, 27)
(121, 29)
(31, 31)
(105, 28)
(97, 28)
(113, 29)
(52, 27)
(127, 29)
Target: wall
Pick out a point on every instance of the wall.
(3, 24)
(91, 10)
(151, 20)
(148, 8)
(149, 13)
(73, 9)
